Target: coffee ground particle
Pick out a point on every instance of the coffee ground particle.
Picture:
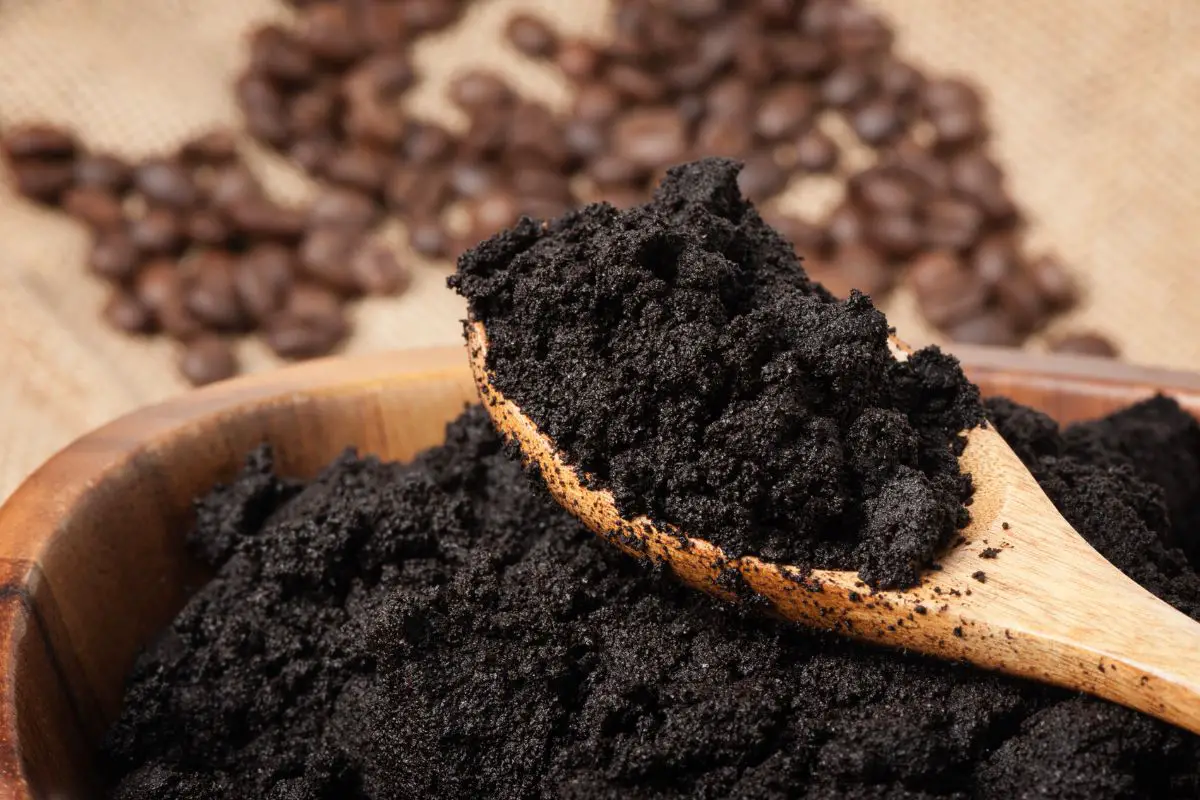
(437, 630)
(678, 354)
(989, 552)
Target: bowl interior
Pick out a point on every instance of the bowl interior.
(91, 546)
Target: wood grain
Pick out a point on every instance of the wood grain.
(91, 556)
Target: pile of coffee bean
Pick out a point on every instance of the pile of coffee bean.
(794, 88)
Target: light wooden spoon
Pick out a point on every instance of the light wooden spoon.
(1023, 594)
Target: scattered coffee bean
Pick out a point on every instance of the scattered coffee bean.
(342, 208)
(578, 59)
(650, 138)
(264, 218)
(816, 152)
(947, 292)
(263, 279)
(785, 111)
(207, 359)
(210, 291)
(165, 183)
(104, 172)
(377, 270)
(206, 226)
(1084, 344)
(325, 255)
(157, 232)
(38, 142)
(531, 35)
(96, 208)
(216, 147)
(428, 238)
(311, 324)
(1054, 282)
(114, 256)
(123, 311)
(43, 181)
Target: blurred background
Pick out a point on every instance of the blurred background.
(199, 187)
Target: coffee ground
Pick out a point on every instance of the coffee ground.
(678, 354)
(438, 630)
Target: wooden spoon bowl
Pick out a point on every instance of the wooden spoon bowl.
(91, 552)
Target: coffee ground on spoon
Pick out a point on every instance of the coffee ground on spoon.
(678, 354)
(438, 630)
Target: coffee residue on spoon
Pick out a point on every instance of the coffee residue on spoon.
(438, 630)
(678, 355)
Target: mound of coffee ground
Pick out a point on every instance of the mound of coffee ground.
(440, 630)
(678, 354)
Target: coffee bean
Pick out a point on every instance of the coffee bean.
(1053, 282)
(596, 102)
(382, 26)
(845, 225)
(634, 84)
(877, 121)
(105, 172)
(884, 190)
(275, 52)
(531, 35)
(428, 237)
(797, 56)
(342, 208)
(955, 111)
(205, 226)
(860, 267)
(325, 254)
(535, 137)
(584, 140)
(428, 143)
(1019, 299)
(262, 217)
(207, 359)
(922, 167)
(43, 181)
(542, 184)
(995, 259)
(418, 192)
(816, 152)
(898, 234)
(469, 179)
(947, 293)
(362, 168)
(976, 177)
(210, 292)
(157, 232)
(731, 98)
(113, 255)
(312, 153)
(724, 136)
(328, 33)
(372, 91)
(377, 270)
(316, 109)
(952, 224)
(159, 287)
(123, 312)
(263, 109)
(213, 148)
(899, 81)
(807, 239)
(480, 89)
(614, 170)
(578, 59)
(784, 111)
(93, 207)
(263, 279)
(858, 33)
(761, 177)
(991, 327)
(650, 137)
(848, 85)
(227, 186)
(429, 15)
(38, 141)
(165, 182)
(311, 324)
(1084, 344)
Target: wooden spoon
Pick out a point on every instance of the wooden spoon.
(1023, 594)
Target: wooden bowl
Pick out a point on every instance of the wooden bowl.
(92, 562)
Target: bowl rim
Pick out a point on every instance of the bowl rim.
(31, 517)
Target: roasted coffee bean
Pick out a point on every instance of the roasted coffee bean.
(362, 168)
(205, 226)
(428, 237)
(857, 266)
(952, 224)
(429, 15)
(578, 59)
(761, 177)
(724, 136)
(650, 137)
(877, 121)
(976, 177)
(584, 140)
(493, 212)
(637, 85)
(847, 85)
(325, 255)
(328, 32)
(1019, 299)
(166, 183)
(226, 186)
(157, 232)
(263, 279)
(995, 259)
(992, 327)
(808, 240)
(845, 225)
(784, 111)
(43, 181)
(372, 90)
(480, 90)
(596, 102)
(536, 138)
(262, 217)
(313, 153)
(311, 324)
(316, 109)
(884, 190)
(210, 292)
(207, 359)
(415, 191)
(38, 141)
(1084, 344)
(897, 233)
(275, 52)
(797, 56)
(113, 255)
(947, 293)
(899, 81)
(816, 152)
(731, 98)
(927, 171)
(214, 148)
(859, 32)
(1053, 282)
(105, 172)
(377, 270)
(615, 170)
(263, 109)
(531, 35)
(123, 312)
(955, 111)
(428, 143)
(342, 208)
(469, 179)
(159, 287)
(93, 207)
(542, 184)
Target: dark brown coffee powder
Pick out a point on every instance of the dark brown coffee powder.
(437, 630)
(678, 354)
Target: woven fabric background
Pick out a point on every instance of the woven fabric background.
(1093, 105)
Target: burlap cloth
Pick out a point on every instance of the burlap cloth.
(1094, 105)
